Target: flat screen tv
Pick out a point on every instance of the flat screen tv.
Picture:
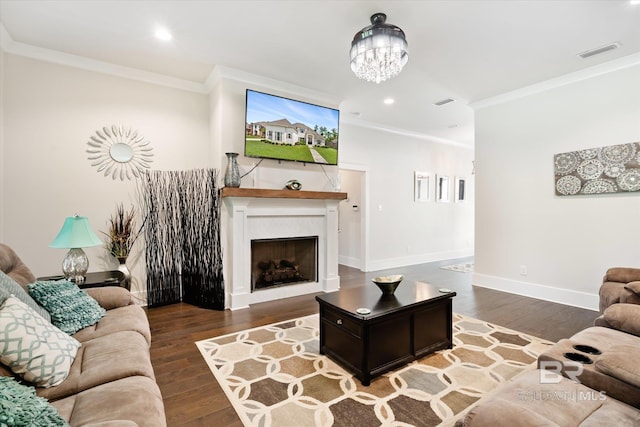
(284, 129)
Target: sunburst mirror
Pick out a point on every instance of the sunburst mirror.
(119, 152)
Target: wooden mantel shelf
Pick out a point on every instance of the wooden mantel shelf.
(282, 194)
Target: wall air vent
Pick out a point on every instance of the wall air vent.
(443, 102)
(599, 50)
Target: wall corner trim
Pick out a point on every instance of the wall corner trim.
(48, 55)
(577, 76)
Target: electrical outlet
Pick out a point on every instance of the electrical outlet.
(523, 270)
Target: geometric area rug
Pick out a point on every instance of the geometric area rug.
(462, 268)
(274, 376)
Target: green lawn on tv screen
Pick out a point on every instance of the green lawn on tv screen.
(329, 154)
(301, 153)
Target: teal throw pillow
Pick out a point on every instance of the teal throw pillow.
(13, 288)
(70, 307)
(32, 347)
(20, 407)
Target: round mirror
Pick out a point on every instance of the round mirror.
(121, 153)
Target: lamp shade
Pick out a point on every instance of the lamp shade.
(76, 233)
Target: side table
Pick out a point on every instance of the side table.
(97, 279)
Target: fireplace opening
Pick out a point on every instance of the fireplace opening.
(285, 261)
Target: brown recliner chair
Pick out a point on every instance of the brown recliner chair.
(620, 285)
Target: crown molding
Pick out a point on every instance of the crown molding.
(403, 132)
(228, 73)
(577, 76)
(34, 52)
(218, 74)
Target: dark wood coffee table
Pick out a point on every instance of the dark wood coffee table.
(408, 325)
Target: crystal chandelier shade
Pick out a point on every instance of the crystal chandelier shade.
(378, 51)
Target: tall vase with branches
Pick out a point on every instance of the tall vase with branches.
(121, 237)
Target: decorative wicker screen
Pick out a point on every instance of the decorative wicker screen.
(182, 234)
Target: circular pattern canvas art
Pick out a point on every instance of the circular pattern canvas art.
(612, 169)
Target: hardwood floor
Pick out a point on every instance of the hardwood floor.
(192, 396)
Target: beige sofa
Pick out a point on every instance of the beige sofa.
(111, 381)
(603, 362)
(620, 285)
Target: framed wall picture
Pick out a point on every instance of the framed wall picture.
(610, 169)
(442, 188)
(460, 189)
(422, 186)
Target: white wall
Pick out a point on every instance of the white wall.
(49, 113)
(402, 231)
(566, 243)
(51, 110)
(350, 218)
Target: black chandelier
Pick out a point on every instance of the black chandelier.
(378, 51)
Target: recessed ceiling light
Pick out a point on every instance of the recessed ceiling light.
(634, 2)
(163, 34)
(389, 101)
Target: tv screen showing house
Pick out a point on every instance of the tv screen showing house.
(285, 129)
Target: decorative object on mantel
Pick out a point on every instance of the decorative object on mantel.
(293, 184)
(378, 51)
(75, 234)
(121, 237)
(611, 169)
(119, 152)
(232, 175)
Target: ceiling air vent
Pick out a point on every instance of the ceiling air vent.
(443, 102)
(599, 50)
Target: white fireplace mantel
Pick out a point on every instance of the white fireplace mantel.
(264, 214)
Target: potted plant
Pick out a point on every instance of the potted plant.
(121, 237)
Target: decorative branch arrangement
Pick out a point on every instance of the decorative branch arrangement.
(182, 233)
(120, 236)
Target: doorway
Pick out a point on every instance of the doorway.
(353, 217)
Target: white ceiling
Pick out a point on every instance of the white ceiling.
(468, 50)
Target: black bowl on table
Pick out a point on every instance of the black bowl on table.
(388, 284)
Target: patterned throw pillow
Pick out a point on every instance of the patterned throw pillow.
(4, 294)
(20, 407)
(70, 307)
(32, 347)
(13, 288)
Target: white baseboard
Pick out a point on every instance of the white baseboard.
(349, 261)
(388, 263)
(538, 291)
